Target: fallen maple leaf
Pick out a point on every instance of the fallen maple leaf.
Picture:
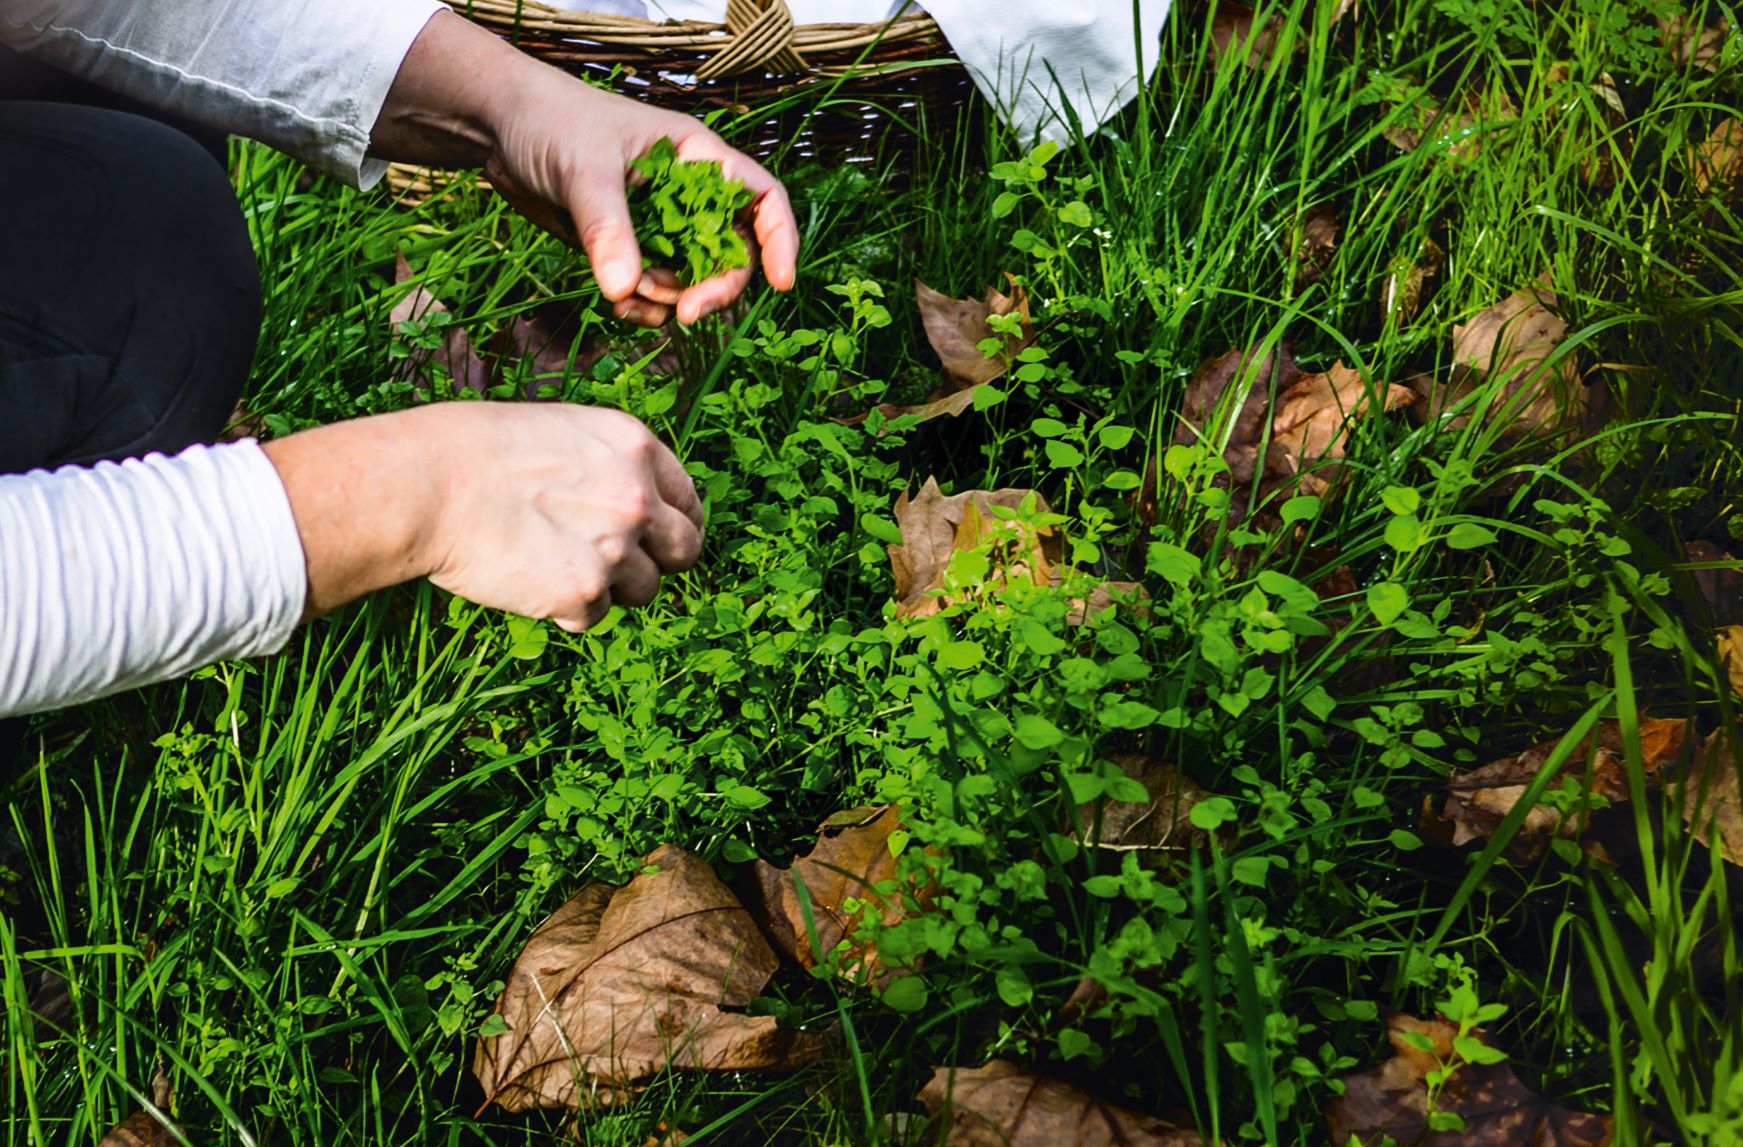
(1391, 1099)
(955, 327)
(851, 858)
(1478, 801)
(620, 983)
(1154, 829)
(455, 355)
(1717, 162)
(935, 528)
(1313, 415)
(1234, 37)
(1002, 1105)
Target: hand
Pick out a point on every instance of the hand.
(560, 151)
(543, 510)
(558, 511)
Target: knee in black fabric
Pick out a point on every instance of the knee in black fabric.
(128, 277)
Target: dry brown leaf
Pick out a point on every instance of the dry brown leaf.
(953, 404)
(851, 857)
(1233, 37)
(1691, 43)
(1205, 395)
(142, 1128)
(1717, 162)
(1154, 831)
(1512, 341)
(1002, 1105)
(1313, 415)
(621, 983)
(1459, 134)
(1712, 802)
(1499, 1111)
(1105, 596)
(1478, 801)
(955, 327)
(1721, 588)
(1319, 243)
(1731, 656)
(934, 527)
(455, 355)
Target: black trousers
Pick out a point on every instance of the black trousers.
(129, 295)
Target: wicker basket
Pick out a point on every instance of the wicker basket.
(877, 76)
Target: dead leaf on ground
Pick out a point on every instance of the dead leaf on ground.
(1717, 161)
(1313, 416)
(955, 327)
(1460, 134)
(1712, 802)
(1691, 43)
(1002, 1105)
(954, 404)
(1721, 588)
(851, 858)
(935, 528)
(1156, 829)
(142, 1128)
(1319, 244)
(1731, 656)
(455, 355)
(621, 983)
(1309, 422)
(1512, 341)
(1498, 1110)
(1478, 801)
(1205, 396)
(1234, 37)
(1407, 281)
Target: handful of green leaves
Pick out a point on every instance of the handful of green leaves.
(683, 214)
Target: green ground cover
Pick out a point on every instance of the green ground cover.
(1373, 553)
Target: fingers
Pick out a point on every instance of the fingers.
(671, 540)
(675, 486)
(777, 232)
(637, 581)
(641, 312)
(603, 225)
(711, 295)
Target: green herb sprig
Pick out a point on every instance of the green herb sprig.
(684, 213)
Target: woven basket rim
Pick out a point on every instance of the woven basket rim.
(694, 35)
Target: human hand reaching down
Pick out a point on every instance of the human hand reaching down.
(547, 511)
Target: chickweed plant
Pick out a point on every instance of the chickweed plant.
(294, 886)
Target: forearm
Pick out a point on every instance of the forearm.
(448, 95)
(364, 499)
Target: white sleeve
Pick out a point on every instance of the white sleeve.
(122, 574)
(308, 77)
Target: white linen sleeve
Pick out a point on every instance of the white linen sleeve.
(121, 574)
(308, 77)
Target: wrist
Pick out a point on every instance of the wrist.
(367, 497)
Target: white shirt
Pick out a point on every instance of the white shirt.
(115, 576)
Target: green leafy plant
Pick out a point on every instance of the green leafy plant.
(684, 212)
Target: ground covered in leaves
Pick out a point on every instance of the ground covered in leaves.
(1224, 633)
